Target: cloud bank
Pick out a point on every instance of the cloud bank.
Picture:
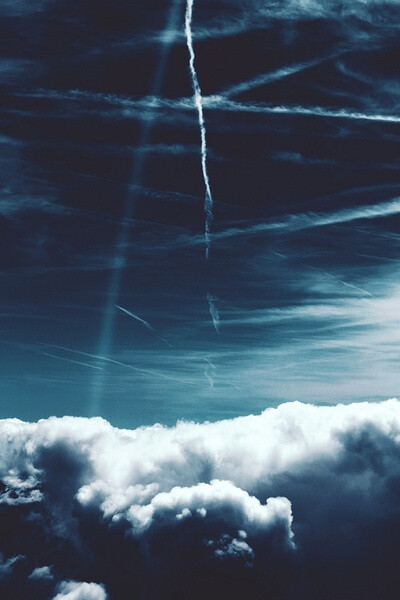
(300, 501)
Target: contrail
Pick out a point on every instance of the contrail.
(145, 323)
(213, 311)
(218, 102)
(345, 283)
(310, 220)
(69, 360)
(131, 314)
(208, 201)
(278, 74)
(121, 364)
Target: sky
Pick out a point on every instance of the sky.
(199, 320)
(113, 193)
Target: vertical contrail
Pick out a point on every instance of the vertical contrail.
(208, 201)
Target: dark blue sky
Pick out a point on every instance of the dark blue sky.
(102, 199)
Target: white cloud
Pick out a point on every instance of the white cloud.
(41, 573)
(259, 494)
(74, 590)
(6, 564)
(227, 547)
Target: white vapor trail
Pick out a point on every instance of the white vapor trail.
(265, 78)
(131, 314)
(213, 311)
(145, 323)
(215, 102)
(309, 220)
(120, 364)
(69, 360)
(208, 201)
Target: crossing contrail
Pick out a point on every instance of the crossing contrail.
(208, 201)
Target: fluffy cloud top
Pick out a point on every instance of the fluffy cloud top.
(269, 505)
(73, 590)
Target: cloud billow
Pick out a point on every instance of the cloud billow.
(300, 501)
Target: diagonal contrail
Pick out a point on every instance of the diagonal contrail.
(145, 323)
(278, 74)
(134, 316)
(208, 201)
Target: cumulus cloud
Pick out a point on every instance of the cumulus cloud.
(74, 590)
(271, 505)
(41, 573)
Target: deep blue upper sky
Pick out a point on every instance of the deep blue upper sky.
(102, 204)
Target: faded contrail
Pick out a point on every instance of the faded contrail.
(345, 283)
(213, 311)
(208, 201)
(210, 372)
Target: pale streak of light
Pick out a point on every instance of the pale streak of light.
(213, 311)
(121, 243)
(208, 201)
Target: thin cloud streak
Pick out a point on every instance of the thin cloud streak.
(265, 78)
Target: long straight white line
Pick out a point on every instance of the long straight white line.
(216, 103)
(208, 201)
(304, 221)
